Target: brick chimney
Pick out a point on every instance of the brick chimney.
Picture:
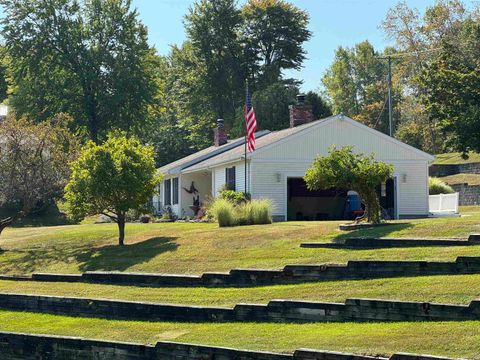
(220, 134)
(300, 113)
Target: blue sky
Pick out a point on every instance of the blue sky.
(333, 23)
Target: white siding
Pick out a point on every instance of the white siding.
(316, 140)
(269, 181)
(219, 177)
(412, 182)
(292, 157)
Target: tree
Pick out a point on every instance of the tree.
(356, 85)
(453, 83)
(112, 178)
(271, 107)
(213, 27)
(321, 109)
(418, 37)
(89, 58)
(3, 75)
(346, 170)
(274, 32)
(256, 42)
(33, 164)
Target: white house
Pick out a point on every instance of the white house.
(276, 168)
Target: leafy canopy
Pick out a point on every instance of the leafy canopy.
(345, 169)
(112, 178)
(453, 80)
(33, 164)
(88, 58)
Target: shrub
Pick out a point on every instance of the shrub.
(230, 213)
(437, 186)
(167, 214)
(223, 211)
(235, 197)
(254, 212)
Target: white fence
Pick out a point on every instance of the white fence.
(443, 203)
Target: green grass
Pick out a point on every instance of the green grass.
(456, 158)
(455, 339)
(460, 289)
(196, 248)
(470, 179)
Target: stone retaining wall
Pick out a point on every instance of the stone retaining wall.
(14, 346)
(275, 311)
(467, 194)
(377, 243)
(440, 170)
(291, 274)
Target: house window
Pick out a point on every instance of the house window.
(167, 188)
(230, 178)
(175, 191)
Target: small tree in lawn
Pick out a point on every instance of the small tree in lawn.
(111, 179)
(346, 170)
(33, 164)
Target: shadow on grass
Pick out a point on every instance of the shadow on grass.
(105, 258)
(373, 232)
(120, 258)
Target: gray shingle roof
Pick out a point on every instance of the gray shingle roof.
(205, 154)
(237, 153)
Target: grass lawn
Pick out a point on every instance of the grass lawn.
(196, 248)
(459, 289)
(456, 158)
(454, 339)
(470, 179)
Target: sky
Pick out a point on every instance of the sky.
(334, 23)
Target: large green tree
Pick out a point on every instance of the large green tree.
(111, 179)
(213, 28)
(231, 44)
(453, 83)
(356, 84)
(274, 32)
(419, 36)
(344, 169)
(89, 58)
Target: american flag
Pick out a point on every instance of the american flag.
(250, 123)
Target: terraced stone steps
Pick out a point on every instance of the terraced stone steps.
(280, 311)
(290, 274)
(377, 243)
(15, 346)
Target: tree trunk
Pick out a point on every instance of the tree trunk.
(372, 205)
(121, 229)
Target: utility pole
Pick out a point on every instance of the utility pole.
(390, 106)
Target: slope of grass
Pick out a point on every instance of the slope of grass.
(460, 289)
(454, 339)
(470, 179)
(456, 158)
(196, 248)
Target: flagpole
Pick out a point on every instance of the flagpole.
(246, 88)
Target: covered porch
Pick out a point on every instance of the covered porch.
(195, 189)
